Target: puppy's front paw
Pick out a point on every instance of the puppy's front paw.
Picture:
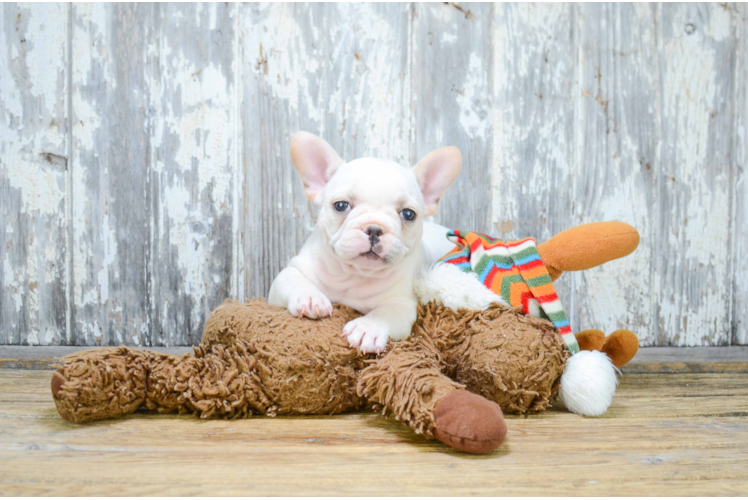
(310, 304)
(368, 334)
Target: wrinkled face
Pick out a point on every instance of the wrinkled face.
(371, 213)
(371, 210)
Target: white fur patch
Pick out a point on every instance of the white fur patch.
(454, 289)
(588, 383)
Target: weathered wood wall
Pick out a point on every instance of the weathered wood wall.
(145, 173)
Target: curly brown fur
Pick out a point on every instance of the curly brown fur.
(258, 359)
(501, 354)
(101, 383)
(305, 366)
(218, 381)
(407, 383)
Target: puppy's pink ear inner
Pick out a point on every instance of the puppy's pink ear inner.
(435, 173)
(315, 160)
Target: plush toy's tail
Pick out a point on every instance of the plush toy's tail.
(589, 379)
(588, 383)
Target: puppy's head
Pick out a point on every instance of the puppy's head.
(372, 210)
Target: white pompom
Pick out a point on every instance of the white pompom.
(588, 383)
(453, 288)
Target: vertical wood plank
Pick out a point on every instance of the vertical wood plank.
(740, 160)
(615, 172)
(33, 173)
(337, 70)
(192, 91)
(534, 116)
(110, 171)
(451, 102)
(695, 185)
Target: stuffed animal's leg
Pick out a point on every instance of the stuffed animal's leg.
(100, 383)
(408, 383)
(106, 383)
(217, 381)
(588, 245)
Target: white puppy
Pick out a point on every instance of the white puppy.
(370, 241)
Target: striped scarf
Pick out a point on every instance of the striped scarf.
(514, 271)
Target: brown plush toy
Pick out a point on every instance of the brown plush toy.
(449, 380)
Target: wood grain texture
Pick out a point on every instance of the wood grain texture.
(111, 165)
(33, 173)
(740, 162)
(153, 209)
(692, 285)
(617, 133)
(664, 435)
(337, 70)
(145, 173)
(534, 116)
(192, 144)
(451, 85)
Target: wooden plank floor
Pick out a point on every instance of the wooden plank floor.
(666, 434)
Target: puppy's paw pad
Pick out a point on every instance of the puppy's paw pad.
(310, 305)
(369, 335)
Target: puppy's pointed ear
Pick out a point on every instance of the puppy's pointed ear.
(315, 160)
(435, 173)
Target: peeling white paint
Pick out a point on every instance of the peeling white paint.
(51, 336)
(50, 37)
(569, 145)
(695, 298)
(471, 93)
(32, 294)
(39, 186)
(11, 282)
(529, 137)
(720, 24)
(449, 38)
(190, 254)
(32, 170)
(285, 59)
(109, 248)
(193, 150)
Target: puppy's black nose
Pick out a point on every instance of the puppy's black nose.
(374, 232)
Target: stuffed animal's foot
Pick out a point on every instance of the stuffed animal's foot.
(621, 346)
(101, 383)
(469, 422)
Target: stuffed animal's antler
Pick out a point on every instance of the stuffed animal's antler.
(586, 246)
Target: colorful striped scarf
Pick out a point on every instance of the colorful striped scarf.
(514, 271)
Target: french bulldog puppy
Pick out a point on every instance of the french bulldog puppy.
(370, 241)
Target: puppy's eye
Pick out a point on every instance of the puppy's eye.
(340, 206)
(408, 214)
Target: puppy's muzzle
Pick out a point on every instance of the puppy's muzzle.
(374, 232)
